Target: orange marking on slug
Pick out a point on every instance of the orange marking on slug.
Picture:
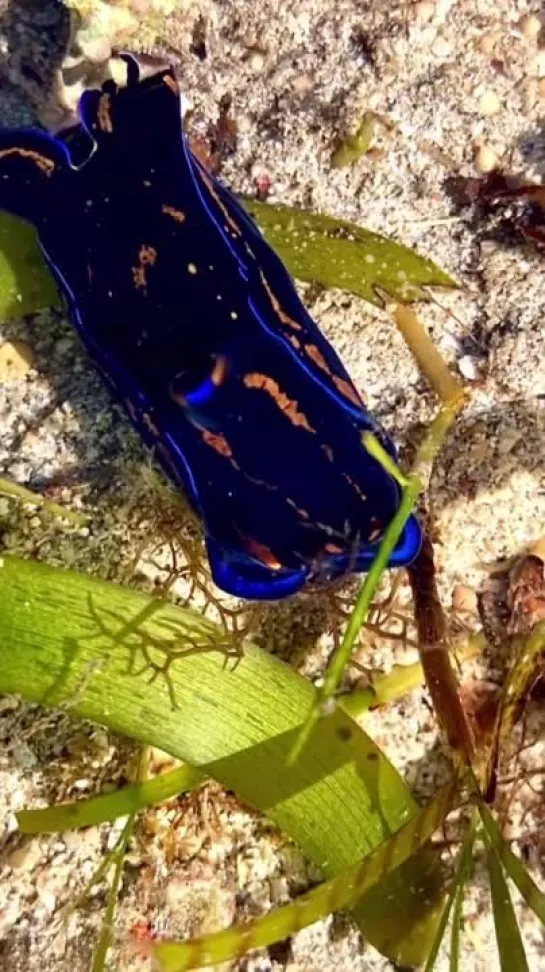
(171, 83)
(261, 553)
(342, 385)
(219, 371)
(46, 165)
(147, 256)
(285, 318)
(104, 116)
(139, 278)
(316, 355)
(176, 214)
(228, 218)
(294, 341)
(288, 406)
(218, 442)
(348, 391)
(332, 548)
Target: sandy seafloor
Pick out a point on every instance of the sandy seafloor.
(458, 81)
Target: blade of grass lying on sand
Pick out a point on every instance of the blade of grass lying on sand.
(327, 898)
(334, 253)
(71, 641)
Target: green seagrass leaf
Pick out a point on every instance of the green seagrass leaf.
(69, 640)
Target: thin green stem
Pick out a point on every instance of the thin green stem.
(341, 656)
(378, 452)
(117, 859)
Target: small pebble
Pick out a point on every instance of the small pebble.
(467, 367)
(464, 599)
(16, 360)
(257, 62)
(244, 124)
(442, 8)
(486, 44)
(427, 37)
(441, 47)
(530, 26)
(489, 103)
(302, 84)
(262, 182)
(424, 11)
(485, 159)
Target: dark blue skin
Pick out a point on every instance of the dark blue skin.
(196, 325)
